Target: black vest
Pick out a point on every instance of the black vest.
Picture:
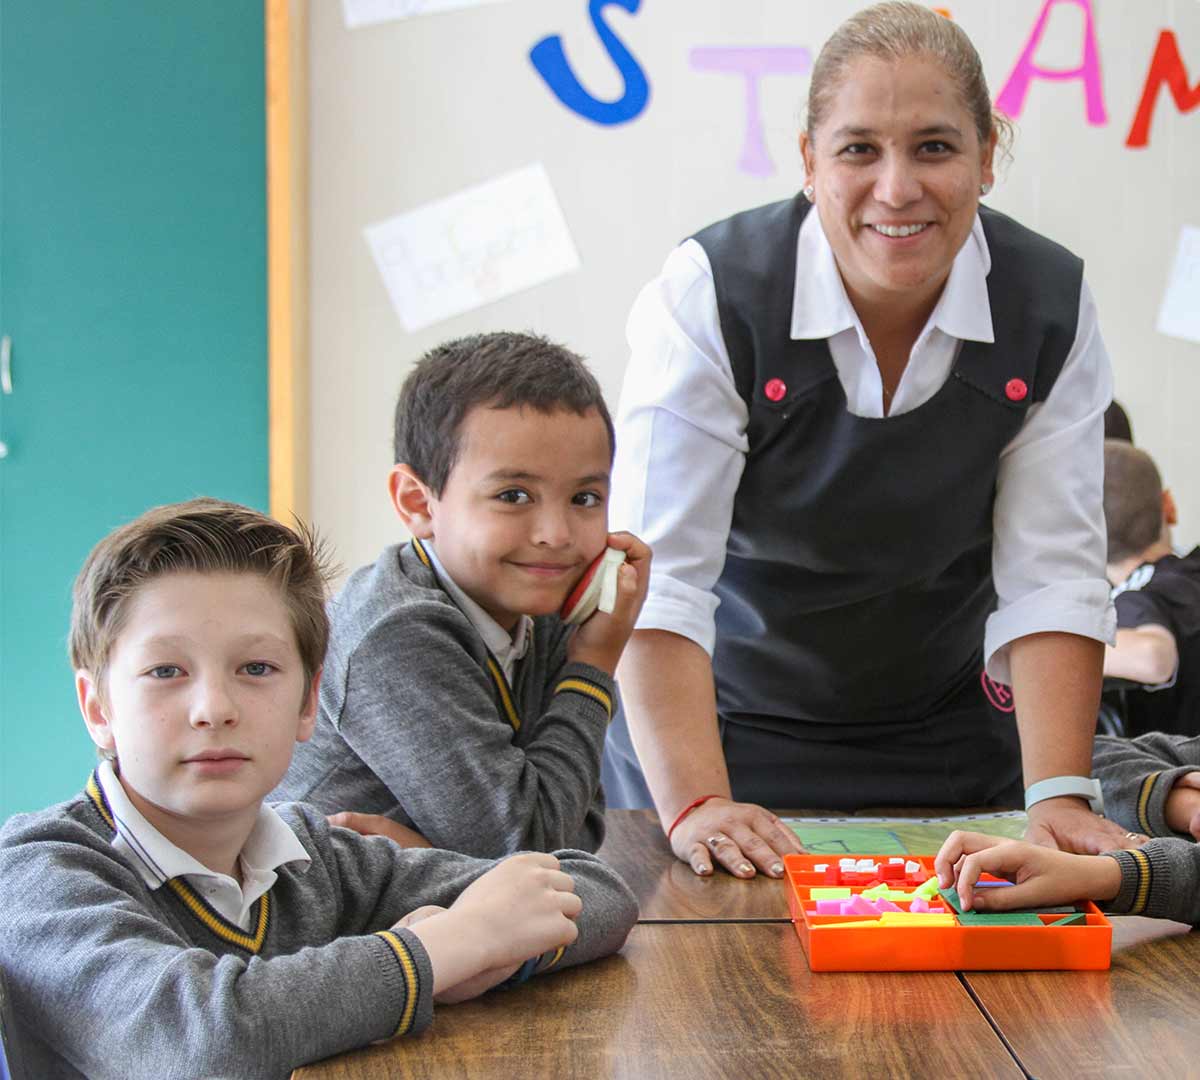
(858, 577)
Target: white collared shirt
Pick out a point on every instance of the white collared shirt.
(271, 843)
(505, 647)
(680, 417)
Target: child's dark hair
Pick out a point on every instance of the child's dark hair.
(502, 371)
(1133, 504)
(200, 536)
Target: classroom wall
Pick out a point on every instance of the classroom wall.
(408, 111)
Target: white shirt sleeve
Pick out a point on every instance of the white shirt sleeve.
(681, 444)
(1049, 542)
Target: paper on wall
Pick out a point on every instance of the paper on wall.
(1179, 315)
(473, 247)
(369, 12)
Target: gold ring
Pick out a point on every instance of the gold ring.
(1133, 836)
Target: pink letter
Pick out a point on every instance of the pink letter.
(752, 64)
(1012, 97)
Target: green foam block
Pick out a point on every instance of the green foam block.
(950, 895)
(998, 918)
(830, 892)
(1071, 920)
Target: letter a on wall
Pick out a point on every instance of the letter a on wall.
(1012, 98)
(550, 60)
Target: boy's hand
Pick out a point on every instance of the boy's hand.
(468, 988)
(738, 836)
(1043, 876)
(521, 908)
(378, 825)
(601, 639)
(1182, 809)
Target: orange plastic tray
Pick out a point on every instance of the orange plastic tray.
(1085, 946)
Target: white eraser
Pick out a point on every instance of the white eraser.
(821, 867)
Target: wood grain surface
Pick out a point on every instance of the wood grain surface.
(699, 1001)
(1138, 1019)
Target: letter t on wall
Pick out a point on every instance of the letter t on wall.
(753, 64)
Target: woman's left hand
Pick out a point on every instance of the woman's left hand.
(1068, 823)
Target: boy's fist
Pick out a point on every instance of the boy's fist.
(1182, 809)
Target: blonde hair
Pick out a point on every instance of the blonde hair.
(200, 536)
(893, 31)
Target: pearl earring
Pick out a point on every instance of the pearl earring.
(984, 188)
(808, 193)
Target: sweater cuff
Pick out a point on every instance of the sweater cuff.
(408, 980)
(1150, 801)
(590, 682)
(1145, 881)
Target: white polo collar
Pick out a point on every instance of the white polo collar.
(505, 647)
(270, 845)
(821, 308)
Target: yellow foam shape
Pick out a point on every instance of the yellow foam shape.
(927, 890)
(849, 925)
(909, 918)
(875, 892)
(830, 892)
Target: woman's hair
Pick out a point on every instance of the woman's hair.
(893, 31)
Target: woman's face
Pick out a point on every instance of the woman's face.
(896, 165)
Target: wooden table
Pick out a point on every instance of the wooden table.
(699, 1001)
(713, 983)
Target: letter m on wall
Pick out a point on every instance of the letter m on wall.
(1166, 66)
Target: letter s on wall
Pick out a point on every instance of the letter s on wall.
(550, 60)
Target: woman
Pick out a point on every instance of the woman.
(862, 431)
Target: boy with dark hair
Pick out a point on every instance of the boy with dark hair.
(167, 920)
(1157, 597)
(450, 671)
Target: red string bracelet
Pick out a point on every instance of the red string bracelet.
(688, 809)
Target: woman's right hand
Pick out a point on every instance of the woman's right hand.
(738, 836)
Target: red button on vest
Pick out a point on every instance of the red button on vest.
(775, 389)
(1016, 389)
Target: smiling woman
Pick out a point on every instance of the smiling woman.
(861, 430)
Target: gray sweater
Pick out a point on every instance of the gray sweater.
(1162, 878)
(110, 978)
(418, 723)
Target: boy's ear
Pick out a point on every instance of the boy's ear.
(1170, 513)
(95, 712)
(308, 715)
(412, 500)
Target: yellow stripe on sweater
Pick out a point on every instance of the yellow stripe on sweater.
(1144, 802)
(92, 788)
(1143, 889)
(409, 970)
(225, 930)
(420, 550)
(558, 955)
(579, 686)
(505, 697)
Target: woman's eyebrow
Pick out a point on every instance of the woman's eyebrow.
(923, 133)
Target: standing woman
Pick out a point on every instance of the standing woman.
(862, 430)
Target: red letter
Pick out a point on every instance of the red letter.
(1165, 67)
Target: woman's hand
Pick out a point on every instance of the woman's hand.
(738, 836)
(1067, 823)
(1042, 876)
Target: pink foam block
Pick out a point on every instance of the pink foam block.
(884, 904)
(919, 906)
(829, 907)
(859, 906)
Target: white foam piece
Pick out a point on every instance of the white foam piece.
(911, 867)
(895, 862)
(821, 867)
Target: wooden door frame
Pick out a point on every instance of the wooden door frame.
(287, 257)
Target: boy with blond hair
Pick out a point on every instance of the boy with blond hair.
(457, 706)
(166, 918)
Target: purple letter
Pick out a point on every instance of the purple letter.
(1012, 97)
(752, 64)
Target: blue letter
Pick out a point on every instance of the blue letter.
(551, 63)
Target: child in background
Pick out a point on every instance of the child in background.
(456, 705)
(166, 918)
(1157, 597)
(1151, 786)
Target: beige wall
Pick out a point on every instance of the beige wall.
(406, 112)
